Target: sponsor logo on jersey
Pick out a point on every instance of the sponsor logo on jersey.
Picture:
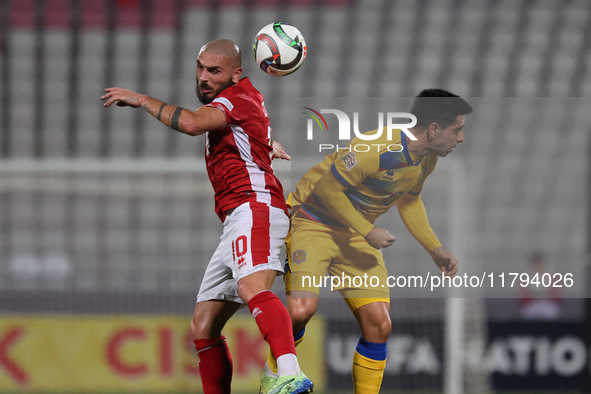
(225, 102)
(350, 160)
(299, 256)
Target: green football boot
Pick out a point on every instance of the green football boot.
(291, 384)
(267, 379)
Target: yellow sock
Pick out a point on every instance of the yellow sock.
(367, 374)
(272, 362)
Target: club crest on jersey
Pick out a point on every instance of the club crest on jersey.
(224, 101)
(299, 256)
(350, 160)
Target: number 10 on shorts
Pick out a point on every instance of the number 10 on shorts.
(239, 249)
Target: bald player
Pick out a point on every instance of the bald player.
(249, 201)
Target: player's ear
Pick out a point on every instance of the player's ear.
(236, 75)
(432, 130)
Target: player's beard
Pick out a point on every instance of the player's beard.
(207, 100)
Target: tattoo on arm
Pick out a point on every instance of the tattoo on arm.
(160, 111)
(174, 119)
(165, 113)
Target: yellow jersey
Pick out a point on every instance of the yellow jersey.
(355, 185)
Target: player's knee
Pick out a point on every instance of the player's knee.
(302, 310)
(385, 327)
(254, 283)
(378, 330)
(382, 329)
(197, 330)
(202, 329)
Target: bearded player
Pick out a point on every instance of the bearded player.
(249, 201)
(333, 210)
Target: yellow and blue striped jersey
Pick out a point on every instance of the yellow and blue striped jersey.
(352, 187)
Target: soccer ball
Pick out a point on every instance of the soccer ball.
(279, 49)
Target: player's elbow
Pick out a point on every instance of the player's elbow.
(193, 128)
(203, 120)
(408, 199)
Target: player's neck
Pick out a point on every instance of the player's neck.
(418, 147)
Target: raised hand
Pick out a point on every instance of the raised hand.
(122, 97)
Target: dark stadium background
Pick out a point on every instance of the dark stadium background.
(107, 221)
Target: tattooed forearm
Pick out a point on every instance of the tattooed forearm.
(159, 117)
(174, 119)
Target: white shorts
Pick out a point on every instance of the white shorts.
(252, 238)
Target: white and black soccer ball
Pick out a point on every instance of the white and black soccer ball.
(279, 49)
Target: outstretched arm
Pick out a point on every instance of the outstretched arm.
(413, 214)
(188, 122)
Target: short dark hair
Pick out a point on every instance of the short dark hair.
(438, 106)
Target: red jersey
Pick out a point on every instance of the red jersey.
(238, 156)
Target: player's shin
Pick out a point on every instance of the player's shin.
(215, 365)
(369, 362)
(272, 362)
(274, 324)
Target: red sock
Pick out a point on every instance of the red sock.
(273, 321)
(215, 365)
